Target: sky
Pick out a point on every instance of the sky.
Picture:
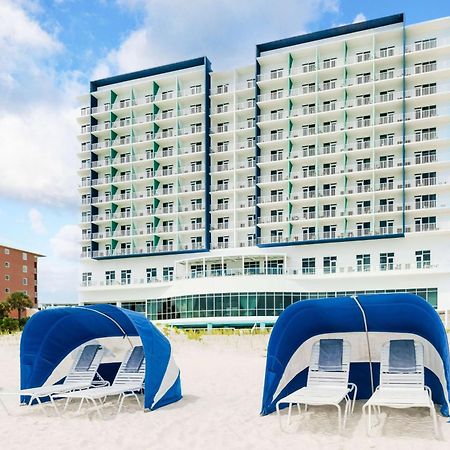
(51, 49)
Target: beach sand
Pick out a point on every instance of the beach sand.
(222, 380)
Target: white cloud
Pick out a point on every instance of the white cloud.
(66, 243)
(37, 118)
(225, 31)
(59, 272)
(36, 221)
(57, 283)
(359, 18)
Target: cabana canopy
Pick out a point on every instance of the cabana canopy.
(388, 316)
(51, 335)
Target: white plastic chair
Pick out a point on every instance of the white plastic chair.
(324, 386)
(401, 387)
(128, 381)
(81, 375)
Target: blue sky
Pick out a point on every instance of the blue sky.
(50, 49)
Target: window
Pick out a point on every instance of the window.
(329, 264)
(125, 277)
(168, 273)
(387, 96)
(25, 281)
(424, 44)
(423, 259)
(386, 261)
(24, 269)
(151, 274)
(425, 201)
(363, 56)
(386, 51)
(24, 256)
(86, 278)
(425, 223)
(223, 241)
(276, 73)
(425, 134)
(387, 74)
(329, 63)
(363, 78)
(363, 263)
(196, 89)
(222, 88)
(110, 277)
(425, 89)
(386, 226)
(308, 67)
(6, 251)
(6, 264)
(362, 99)
(276, 236)
(308, 265)
(425, 67)
(425, 111)
(7, 278)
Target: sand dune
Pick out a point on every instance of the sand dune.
(222, 378)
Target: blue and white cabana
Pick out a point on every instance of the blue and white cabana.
(384, 316)
(53, 337)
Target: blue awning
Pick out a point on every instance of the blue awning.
(389, 316)
(50, 335)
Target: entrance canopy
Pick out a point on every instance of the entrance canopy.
(51, 335)
(388, 316)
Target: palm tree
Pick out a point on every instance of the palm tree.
(18, 301)
(4, 309)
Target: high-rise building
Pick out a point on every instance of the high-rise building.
(321, 169)
(18, 273)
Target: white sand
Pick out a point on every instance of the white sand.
(222, 378)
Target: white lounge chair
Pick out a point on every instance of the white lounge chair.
(82, 375)
(402, 383)
(327, 382)
(128, 381)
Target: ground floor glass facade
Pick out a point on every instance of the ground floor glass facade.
(245, 304)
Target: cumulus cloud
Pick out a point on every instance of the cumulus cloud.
(59, 272)
(37, 119)
(176, 30)
(57, 283)
(359, 18)
(66, 243)
(36, 221)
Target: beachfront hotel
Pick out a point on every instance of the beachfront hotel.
(320, 169)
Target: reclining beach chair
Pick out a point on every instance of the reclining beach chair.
(128, 382)
(81, 376)
(327, 382)
(402, 383)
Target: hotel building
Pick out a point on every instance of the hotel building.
(18, 273)
(321, 169)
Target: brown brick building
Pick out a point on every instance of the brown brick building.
(18, 272)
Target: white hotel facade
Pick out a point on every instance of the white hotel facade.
(322, 169)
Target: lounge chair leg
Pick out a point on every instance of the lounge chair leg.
(121, 403)
(81, 404)
(434, 419)
(137, 399)
(97, 407)
(277, 406)
(339, 418)
(52, 401)
(66, 404)
(289, 414)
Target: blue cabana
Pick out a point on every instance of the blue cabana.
(388, 316)
(51, 335)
